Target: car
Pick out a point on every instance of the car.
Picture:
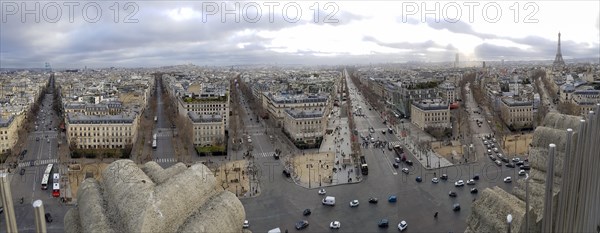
(493, 158)
(456, 207)
(504, 159)
(409, 162)
(48, 140)
(1, 209)
(459, 183)
(373, 200)
(276, 156)
(396, 165)
(435, 180)
(498, 162)
(471, 182)
(418, 179)
(489, 152)
(402, 225)
(306, 212)
(474, 190)
(383, 131)
(37, 139)
(444, 177)
(354, 203)
(392, 198)
(322, 192)
(246, 224)
(520, 163)
(516, 159)
(397, 160)
(522, 172)
(301, 224)
(511, 165)
(405, 170)
(48, 217)
(485, 142)
(286, 173)
(493, 139)
(500, 156)
(525, 167)
(383, 223)
(507, 179)
(371, 130)
(476, 177)
(335, 225)
(452, 194)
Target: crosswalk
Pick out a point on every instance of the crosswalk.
(165, 160)
(262, 154)
(163, 134)
(37, 162)
(394, 143)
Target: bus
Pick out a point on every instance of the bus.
(154, 144)
(46, 176)
(56, 189)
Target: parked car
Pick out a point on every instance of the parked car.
(516, 159)
(301, 224)
(402, 225)
(383, 223)
(520, 163)
(306, 212)
(511, 165)
(522, 172)
(504, 159)
(525, 167)
(373, 200)
(498, 162)
(246, 224)
(397, 160)
(493, 158)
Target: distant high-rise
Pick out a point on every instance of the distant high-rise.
(456, 61)
(558, 60)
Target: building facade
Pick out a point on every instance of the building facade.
(305, 127)
(9, 132)
(516, 114)
(101, 132)
(206, 104)
(430, 113)
(207, 129)
(276, 105)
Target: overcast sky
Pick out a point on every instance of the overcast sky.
(158, 33)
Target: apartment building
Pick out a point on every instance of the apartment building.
(586, 100)
(207, 129)
(208, 102)
(447, 91)
(101, 132)
(516, 114)
(277, 104)
(9, 127)
(433, 113)
(305, 127)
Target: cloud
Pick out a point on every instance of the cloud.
(458, 27)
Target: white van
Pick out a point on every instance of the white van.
(329, 200)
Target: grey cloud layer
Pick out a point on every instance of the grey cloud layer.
(158, 40)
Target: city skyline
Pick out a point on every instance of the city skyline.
(160, 33)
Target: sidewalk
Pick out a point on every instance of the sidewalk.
(332, 162)
(428, 159)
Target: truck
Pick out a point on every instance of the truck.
(363, 165)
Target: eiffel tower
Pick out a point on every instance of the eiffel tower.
(559, 63)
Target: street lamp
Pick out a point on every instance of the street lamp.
(526, 202)
(509, 221)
